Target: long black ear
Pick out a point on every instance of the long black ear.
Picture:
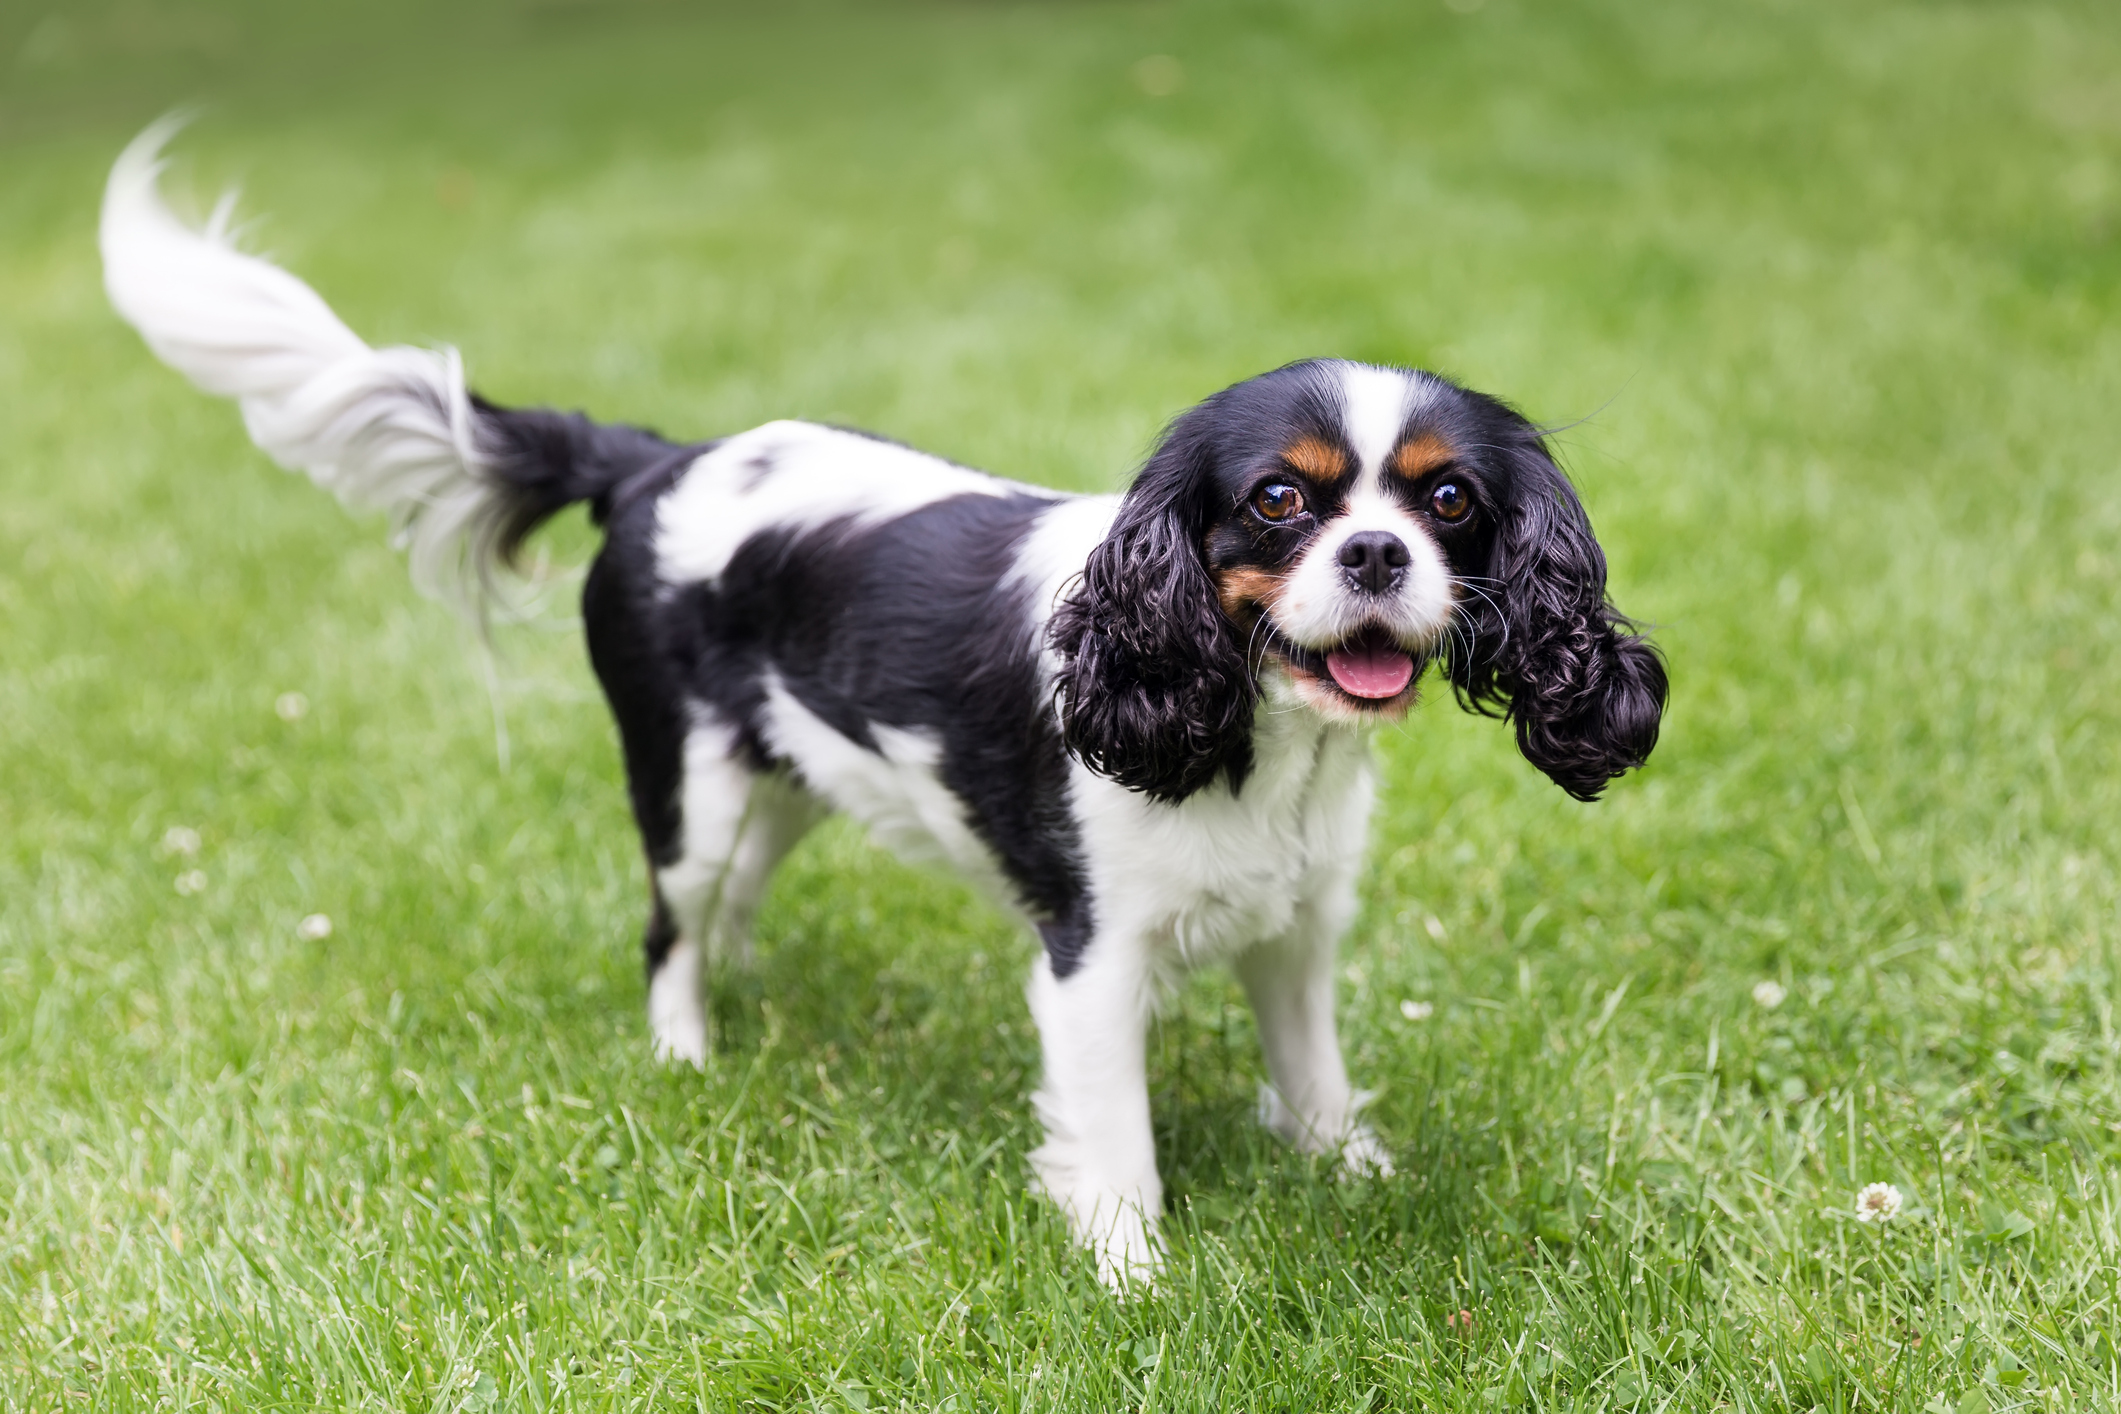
(1154, 689)
(1540, 644)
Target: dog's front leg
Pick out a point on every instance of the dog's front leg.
(1309, 1102)
(1099, 1159)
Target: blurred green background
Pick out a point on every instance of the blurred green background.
(1826, 295)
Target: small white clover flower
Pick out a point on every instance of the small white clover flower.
(291, 706)
(180, 839)
(191, 881)
(1769, 994)
(1417, 1011)
(1877, 1203)
(314, 929)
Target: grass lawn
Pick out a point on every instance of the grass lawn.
(1830, 291)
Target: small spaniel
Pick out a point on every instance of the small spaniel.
(1142, 722)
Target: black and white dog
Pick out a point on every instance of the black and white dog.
(1142, 721)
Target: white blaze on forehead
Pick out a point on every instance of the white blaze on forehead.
(1374, 406)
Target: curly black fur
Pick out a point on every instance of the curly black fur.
(1542, 646)
(1155, 691)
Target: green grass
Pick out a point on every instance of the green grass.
(1835, 289)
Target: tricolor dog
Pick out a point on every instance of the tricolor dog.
(1141, 721)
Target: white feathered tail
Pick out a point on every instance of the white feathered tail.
(390, 429)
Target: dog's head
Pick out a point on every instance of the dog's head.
(1346, 524)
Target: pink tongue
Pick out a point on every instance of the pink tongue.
(1371, 667)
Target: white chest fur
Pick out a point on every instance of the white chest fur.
(1220, 871)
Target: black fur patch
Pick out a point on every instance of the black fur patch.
(660, 936)
(643, 674)
(544, 461)
(905, 625)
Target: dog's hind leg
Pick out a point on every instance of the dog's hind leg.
(736, 824)
(712, 823)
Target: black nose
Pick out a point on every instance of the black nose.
(1376, 560)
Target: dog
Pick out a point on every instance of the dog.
(1141, 722)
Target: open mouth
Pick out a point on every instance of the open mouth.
(1371, 667)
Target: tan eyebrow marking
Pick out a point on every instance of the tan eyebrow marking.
(1321, 461)
(1420, 456)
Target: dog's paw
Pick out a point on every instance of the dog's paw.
(682, 1045)
(676, 1016)
(1117, 1226)
(1127, 1246)
(1362, 1155)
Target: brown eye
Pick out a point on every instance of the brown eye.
(1450, 502)
(1278, 501)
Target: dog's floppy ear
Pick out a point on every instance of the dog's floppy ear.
(1154, 689)
(1541, 644)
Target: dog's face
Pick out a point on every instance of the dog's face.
(1344, 522)
(1348, 523)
